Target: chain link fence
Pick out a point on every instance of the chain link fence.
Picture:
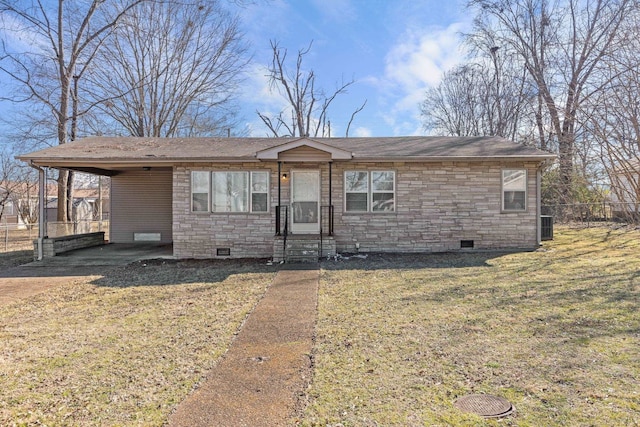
(17, 238)
(593, 213)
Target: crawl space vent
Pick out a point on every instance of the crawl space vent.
(223, 251)
(466, 244)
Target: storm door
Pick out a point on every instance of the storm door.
(305, 201)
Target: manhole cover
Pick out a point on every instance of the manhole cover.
(485, 405)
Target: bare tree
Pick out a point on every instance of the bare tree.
(8, 183)
(614, 121)
(26, 201)
(560, 44)
(18, 189)
(63, 39)
(308, 106)
(170, 69)
(479, 98)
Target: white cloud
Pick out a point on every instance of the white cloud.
(18, 37)
(362, 132)
(420, 59)
(414, 64)
(258, 94)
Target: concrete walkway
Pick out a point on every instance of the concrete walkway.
(268, 366)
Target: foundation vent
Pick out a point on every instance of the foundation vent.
(466, 244)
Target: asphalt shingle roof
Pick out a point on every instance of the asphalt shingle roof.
(142, 149)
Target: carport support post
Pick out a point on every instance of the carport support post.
(42, 180)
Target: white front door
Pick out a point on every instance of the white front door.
(305, 201)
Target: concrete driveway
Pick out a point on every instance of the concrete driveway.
(106, 255)
(38, 276)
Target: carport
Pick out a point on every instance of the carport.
(140, 193)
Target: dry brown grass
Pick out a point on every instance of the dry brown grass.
(16, 246)
(122, 349)
(557, 332)
(399, 338)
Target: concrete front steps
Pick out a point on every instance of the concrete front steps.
(303, 248)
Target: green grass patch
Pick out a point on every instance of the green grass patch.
(556, 332)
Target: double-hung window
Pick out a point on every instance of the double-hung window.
(200, 191)
(259, 191)
(230, 191)
(514, 190)
(369, 191)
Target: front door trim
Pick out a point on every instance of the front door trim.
(305, 201)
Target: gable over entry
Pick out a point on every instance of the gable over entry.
(304, 150)
(304, 211)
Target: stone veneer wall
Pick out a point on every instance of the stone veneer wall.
(200, 234)
(52, 246)
(437, 206)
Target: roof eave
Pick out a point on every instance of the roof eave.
(150, 161)
(438, 159)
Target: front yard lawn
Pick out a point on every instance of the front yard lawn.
(399, 338)
(556, 332)
(122, 349)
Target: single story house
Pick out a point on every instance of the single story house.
(246, 197)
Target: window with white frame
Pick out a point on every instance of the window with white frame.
(369, 191)
(259, 191)
(514, 190)
(230, 191)
(200, 191)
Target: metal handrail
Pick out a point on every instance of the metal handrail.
(282, 230)
(329, 208)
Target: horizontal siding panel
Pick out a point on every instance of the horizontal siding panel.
(304, 154)
(141, 202)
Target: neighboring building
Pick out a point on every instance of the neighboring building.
(239, 197)
(21, 205)
(99, 206)
(20, 200)
(625, 190)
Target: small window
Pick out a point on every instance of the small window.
(200, 191)
(514, 190)
(369, 191)
(259, 191)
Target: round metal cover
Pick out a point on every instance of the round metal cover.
(485, 405)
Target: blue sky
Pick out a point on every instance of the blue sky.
(394, 49)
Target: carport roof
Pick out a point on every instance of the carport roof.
(102, 154)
